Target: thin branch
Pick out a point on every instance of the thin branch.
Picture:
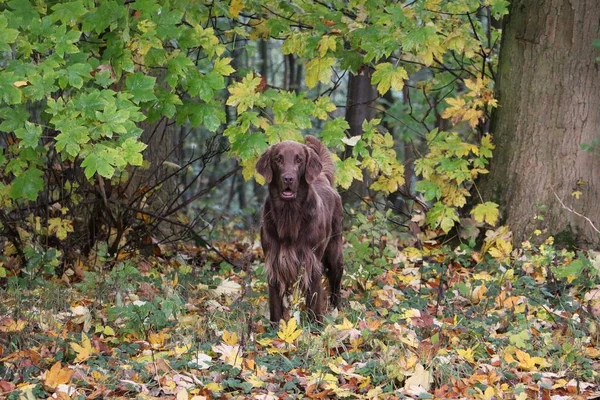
(576, 213)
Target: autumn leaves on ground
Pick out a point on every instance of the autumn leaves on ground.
(439, 322)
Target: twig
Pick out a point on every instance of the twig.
(576, 213)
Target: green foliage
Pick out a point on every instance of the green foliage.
(78, 79)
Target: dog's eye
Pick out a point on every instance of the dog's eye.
(278, 159)
(298, 160)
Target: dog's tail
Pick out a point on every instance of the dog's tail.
(324, 155)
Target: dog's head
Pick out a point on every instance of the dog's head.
(288, 167)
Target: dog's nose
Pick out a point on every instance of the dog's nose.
(288, 179)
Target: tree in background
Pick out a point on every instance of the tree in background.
(545, 167)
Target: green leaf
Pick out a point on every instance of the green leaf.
(386, 76)
(78, 73)
(323, 106)
(29, 135)
(27, 185)
(520, 339)
(222, 66)
(113, 120)
(65, 41)
(68, 12)
(13, 118)
(442, 216)
(571, 270)
(71, 140)
(141, 87)
(9, 94)
(431, 191)
(97, 161)
(7, 35)
(132, 151)
(334, 131)
(487, 212)
(199, 86)
(319, 70)
(347, 171)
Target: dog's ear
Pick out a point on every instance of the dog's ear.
(313, 165)
(263, 166)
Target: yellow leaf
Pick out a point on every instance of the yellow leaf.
(230, 338)
(467, 354)
(288, 331)
(57, 376)
(83, 350)
(235, 7)
(478, 294)
(213, 387)
(326, 43)
(455, 109)
(243, 94)
(577, 194)
(472, 116)
(487, 212)
(20, 83)
(11, 325)
(345, 325)
(501, 251)
(157, 340)
(319, 70)
(60, 227)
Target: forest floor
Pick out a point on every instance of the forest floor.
(429, 323)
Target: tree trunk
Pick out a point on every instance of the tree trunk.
(360, 106)
(549, 95)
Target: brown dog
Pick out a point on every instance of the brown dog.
(301, 231)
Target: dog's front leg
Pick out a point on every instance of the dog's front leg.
(275, 303)
(315, 295)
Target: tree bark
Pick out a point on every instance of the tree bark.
(360, 101)
(549, 94)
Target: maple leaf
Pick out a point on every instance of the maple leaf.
(243, 94)
(525, 361)
(420, 381)
(222, 66)
(319, 70)
(232, 355)
(288, 331)
(347, 171)
(227, 287)
(60, 227)
(157, 340)
(487, 212)
(8, 325)
(501, 251)
(467, 354)
(387, 76)
(83, 350)
(57, 375)
(201, 361)
(326, 43)
(455, 109)
(231, 338)
(235, 7)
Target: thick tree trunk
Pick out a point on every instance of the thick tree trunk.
(549, 94)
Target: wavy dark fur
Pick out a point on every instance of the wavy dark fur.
(301, 237)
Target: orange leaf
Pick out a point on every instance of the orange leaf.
(57, 376)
